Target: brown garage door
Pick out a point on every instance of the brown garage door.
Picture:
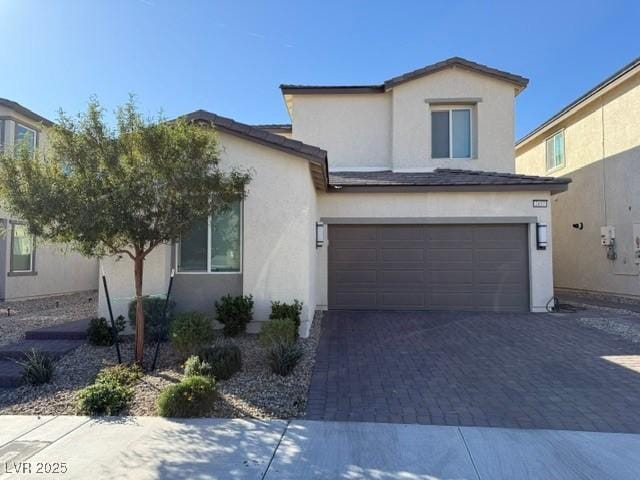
(439, 267)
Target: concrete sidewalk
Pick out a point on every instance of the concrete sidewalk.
(145, 447)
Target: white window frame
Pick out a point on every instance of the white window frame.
(471, 127)
(564, 152)
(209, 272)
(26, 127)
(31, 257)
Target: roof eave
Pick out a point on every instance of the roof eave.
(553, 188)
(593, 94)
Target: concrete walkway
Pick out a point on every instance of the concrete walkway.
(144, 448)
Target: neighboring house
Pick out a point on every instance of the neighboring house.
(596, 141)
(29, 268)
(376, 197)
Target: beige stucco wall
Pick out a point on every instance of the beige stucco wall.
(444, 205)
(602, 156)
(354, 128)
(392, 130)
(278, 235)
(493, 120)
(59, 269)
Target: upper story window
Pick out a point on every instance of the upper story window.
(451, 133)
(214, 245)
(22, 249)
(24, 133)
(554, 146)
(2, 122)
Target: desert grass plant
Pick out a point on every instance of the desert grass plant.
(38, 368)
(196, 367)
(234, 313)
(283, 357)
(192, 397)
(111, 393)
(125, 375)
(278, 330)
(287, 310)
(189, 332)
(224, 357)
(104, 398)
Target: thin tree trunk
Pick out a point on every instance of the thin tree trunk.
(138, 264)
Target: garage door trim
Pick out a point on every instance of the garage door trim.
(425, 220)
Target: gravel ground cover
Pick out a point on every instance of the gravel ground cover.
(253, 392)
(44, 312)
(613, 321)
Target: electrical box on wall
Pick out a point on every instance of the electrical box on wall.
(607, 235)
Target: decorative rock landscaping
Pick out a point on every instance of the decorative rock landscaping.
(253, 392)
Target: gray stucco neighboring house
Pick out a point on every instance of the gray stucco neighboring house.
(401, 195)
(28, 267)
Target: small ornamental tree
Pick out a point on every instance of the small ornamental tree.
(119, 190)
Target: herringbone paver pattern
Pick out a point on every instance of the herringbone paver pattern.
(475, 369)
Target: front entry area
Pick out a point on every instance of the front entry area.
(481, 267)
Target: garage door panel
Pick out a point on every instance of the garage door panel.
(441, 267)
(358, 233)
(450, 254)
(355, 255)
(401, 233)
(402, 277)
(355, 276)
(402, 255)
(451, 277)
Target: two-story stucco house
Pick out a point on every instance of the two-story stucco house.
(400, 196)
(29, 268)
(596, 224)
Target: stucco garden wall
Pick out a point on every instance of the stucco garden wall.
(445, 205)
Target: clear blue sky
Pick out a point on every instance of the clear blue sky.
(230, 56)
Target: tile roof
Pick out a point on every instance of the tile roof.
(261, 135)
(629, 67)
(317, 157)
(25, 111)
(521, 82)
(443, 177)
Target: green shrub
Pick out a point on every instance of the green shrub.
(156, 326)
(234, 313)
(190, 331)
(125, 375)
(38, 368)
(283, 357)
(192, 397)
(196, 367)
(286, 310)
(225, 359)
(278, 330)
(100, 332)
(104, 398)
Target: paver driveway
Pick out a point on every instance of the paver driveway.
(475, 369)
